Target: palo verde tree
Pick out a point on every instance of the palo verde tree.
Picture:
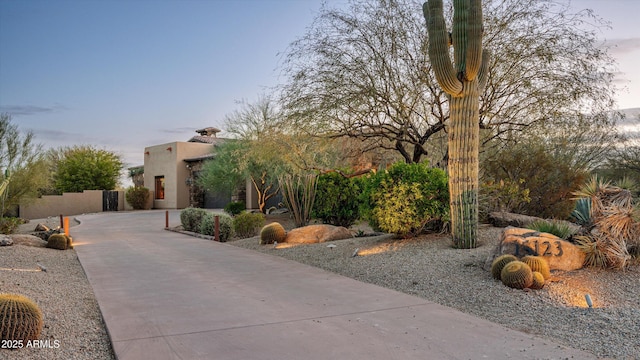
(254, 154)
(462, 80)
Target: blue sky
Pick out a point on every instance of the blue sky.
(125, 74)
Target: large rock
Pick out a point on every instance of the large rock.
(5, 240)
(41, 227)
(560, 254)
(504, 219)
(28, 240)
(316, 234)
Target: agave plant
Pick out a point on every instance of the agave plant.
(557, 228)
(582, 214)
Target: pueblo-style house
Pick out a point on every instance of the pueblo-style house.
(170, 171)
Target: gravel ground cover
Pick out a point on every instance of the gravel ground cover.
(73, 325)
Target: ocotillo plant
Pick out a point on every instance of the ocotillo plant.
(462, 81)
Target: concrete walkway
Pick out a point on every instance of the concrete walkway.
(165, 295)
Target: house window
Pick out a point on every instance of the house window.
(159, 187)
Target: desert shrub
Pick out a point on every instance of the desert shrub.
(502, 195)
(337, 199)
(248, 224)
(191, 218)
(557, 228)
(235, 208)
(404, 198)
(9, 225)
(298, 195)
(137, 197)
(551, 179)
(207, 225)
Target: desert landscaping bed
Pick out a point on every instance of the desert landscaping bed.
(426, 266)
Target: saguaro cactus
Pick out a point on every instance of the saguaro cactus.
(462, 80)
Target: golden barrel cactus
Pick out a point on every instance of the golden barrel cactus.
(539, 264)
(498, 264)
(271, 233)
(538, 281)
(20, 318)
(517, 275)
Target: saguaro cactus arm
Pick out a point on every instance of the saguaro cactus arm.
(474, 55)
(439, 48)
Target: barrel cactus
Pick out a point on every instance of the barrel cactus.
(539, 264)
(517, 275)
(20, 318)
(538, 281)
(59, 241)
(499, 263)
(273, 232)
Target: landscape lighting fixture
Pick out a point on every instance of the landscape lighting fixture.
(588, 298)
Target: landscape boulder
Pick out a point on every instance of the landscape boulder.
(41, 227)
(317, 234)
(504, 219)
(559, 253)
(5, 240)
(28, 240)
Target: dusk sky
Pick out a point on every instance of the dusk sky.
(125, 74)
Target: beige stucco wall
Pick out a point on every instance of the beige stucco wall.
(67, 204)
(167, 160)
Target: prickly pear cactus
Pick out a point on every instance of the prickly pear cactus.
(538, 281)
(498, 264)
(517, 275)
(20, 318)
(271, 233)
(463, 80)
(539, 264)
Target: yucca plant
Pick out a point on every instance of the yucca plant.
(613, 228)
(593, 249)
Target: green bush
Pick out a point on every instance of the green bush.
(235, 208)
(404, 198)
(137, 197)
(207, 226)
(9, 225)
(248, 224)
(551, 179)
(503, 195)
(191, 218)
(337, 199)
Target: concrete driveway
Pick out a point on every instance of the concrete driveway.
(165, 295)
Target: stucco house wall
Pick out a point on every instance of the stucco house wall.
(167, 160)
